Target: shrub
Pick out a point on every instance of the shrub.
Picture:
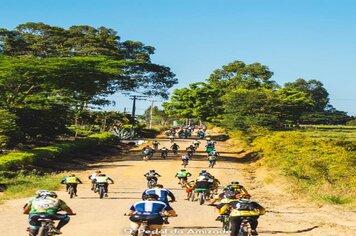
(319, 163)
(17, 160)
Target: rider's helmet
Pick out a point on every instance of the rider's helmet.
(235, 182)
(150, 196)
(183, 170)
(228, 188)
(102, 175)
(48, 194)
(38, 192)
(152, 171)
(203, 171)
(72, 175)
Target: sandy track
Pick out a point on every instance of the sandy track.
(286, 216)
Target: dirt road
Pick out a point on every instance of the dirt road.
(285, 216)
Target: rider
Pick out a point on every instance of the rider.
(214, 153)
(189, 187)
(152, 174)
(103, 179)
(183, 175)
(73, 181)
(46, 205)
(206, 174)
(164, 151)
(213, 156)
(202, 185)
(149, 210)
(201, 134)
(222, 195)
(162, 193)
(244, 207)
(209, 147)
(147, 150)
(196, 143)
(171, 138)
(238, 188)
(225, 198)
(190, 150)
(175, 147)
(155, 145)
(92, 177)
(185, 158)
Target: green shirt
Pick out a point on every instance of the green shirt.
(183, 174)
(46, 205)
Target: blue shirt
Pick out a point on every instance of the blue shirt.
(162, 193)
(150, 208)
(214, 153)
(185, 158)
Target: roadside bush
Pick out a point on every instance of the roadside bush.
(17, 160)
(320, 163)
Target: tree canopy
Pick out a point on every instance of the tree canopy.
(47, 68)
(239, 95)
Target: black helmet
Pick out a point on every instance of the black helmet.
(152, 171)
(203, 171)
(150, 195)
(235, 182)
(183, 170)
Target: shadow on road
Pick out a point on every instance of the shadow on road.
(288, 232)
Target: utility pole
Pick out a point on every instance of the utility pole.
(151, 112)
(134, 98)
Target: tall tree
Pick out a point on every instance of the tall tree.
(47, 68)
(199, 100)
(239, 75)
(315, 90)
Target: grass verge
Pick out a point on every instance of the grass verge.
(25, 185)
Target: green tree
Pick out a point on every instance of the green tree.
(199, 100)
(239, 75)
(9, 132)
(244, 108)
(47, 68)
(315, 90)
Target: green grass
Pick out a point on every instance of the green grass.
(320, 164)
(329, 127)
(26, 185)
(344, 135)
(338, 200)
(20, 159)
(334, 132)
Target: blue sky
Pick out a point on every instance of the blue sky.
(310, 39)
